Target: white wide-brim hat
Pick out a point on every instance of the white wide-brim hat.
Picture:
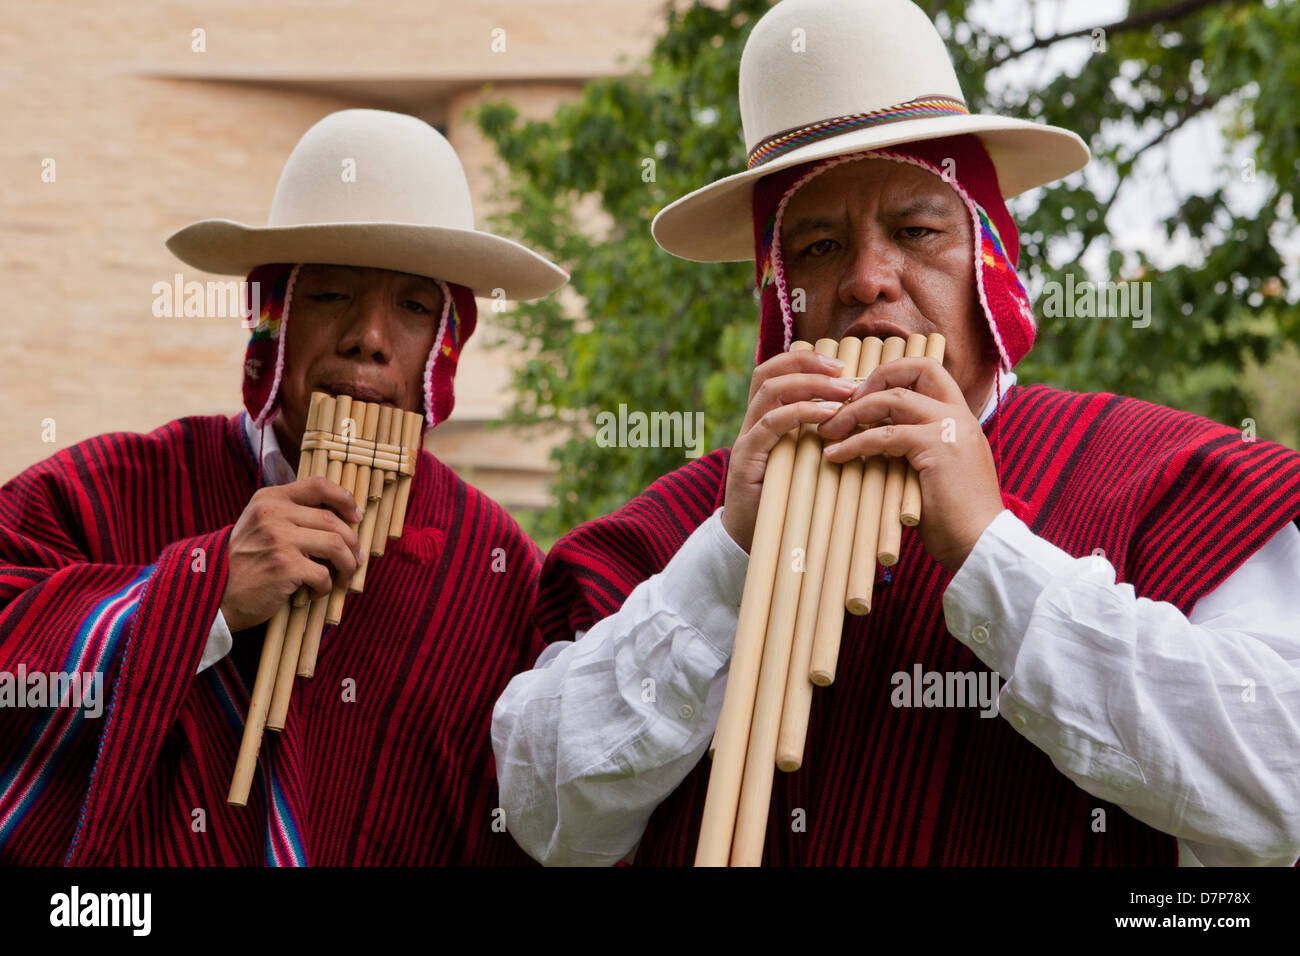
(379, 189)
(823, 78)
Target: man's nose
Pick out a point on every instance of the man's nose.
(873, 272)
(367, 334)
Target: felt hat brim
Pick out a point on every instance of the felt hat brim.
(480, 261)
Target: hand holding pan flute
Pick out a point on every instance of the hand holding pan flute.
(933, 428)
(782, 394)
(275, 540)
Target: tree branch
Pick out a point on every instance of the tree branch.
(1134, 22)
(1198, 107)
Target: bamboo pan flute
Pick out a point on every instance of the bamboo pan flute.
(371, 450)
(821, 528)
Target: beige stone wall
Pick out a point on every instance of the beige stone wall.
(146, 135)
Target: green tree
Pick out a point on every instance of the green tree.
(654, 332)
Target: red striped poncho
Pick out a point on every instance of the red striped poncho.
(113, 558)
(1177, 502)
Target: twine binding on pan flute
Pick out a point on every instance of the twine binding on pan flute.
(359, 451)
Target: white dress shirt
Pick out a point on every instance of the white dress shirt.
(1191, 724)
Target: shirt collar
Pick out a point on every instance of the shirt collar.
(276, 469)
(1007, 381)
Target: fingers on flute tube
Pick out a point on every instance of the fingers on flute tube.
(330, 547)
(317, 579)
(897, 405)
(767, 431)
(321, 492)
(318, 519)
(790, 389)
(788, 363)
(925, 375)
(894, 441)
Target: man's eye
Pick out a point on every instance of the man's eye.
(821, 247)
(420, 307)
(325, 296)
(917, 232)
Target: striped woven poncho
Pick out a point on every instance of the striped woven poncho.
(113, 560)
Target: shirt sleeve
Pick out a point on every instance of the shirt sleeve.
(605, 727)
(218, 645)
(1191, 724)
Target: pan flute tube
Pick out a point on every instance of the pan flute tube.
(361, 492)
(760, 761)
(911, 510)
(862, 574)
(348, 481)
(731, 738)
(374, 495)
(849, 509)
(411, 435)
(798, 688)
(317, 464)
(251, 743)
(891, 525)
(388, 497)
(868, 532)
(319, 607)
(269, 662)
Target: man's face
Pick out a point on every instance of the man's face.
(884, 248)
(355, 331)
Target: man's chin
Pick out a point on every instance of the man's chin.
(285, 431)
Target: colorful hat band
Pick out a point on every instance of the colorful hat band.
(919, 108)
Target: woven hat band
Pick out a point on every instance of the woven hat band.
(920, 108)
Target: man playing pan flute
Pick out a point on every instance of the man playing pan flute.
(155, 560)
(1128, 570)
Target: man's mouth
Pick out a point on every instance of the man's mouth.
(879, 328)
(358, 391)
